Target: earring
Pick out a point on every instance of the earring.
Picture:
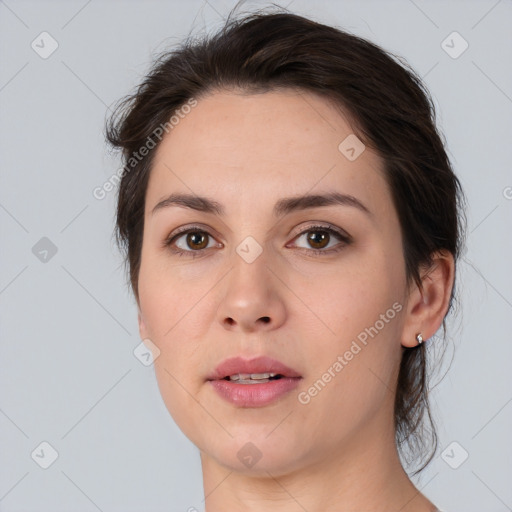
(419, 338)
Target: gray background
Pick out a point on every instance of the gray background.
(68, 373)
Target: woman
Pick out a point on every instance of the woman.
(292, 224)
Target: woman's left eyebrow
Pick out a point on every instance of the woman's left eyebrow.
(282, 207)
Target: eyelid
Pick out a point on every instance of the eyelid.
(344, 240)
(319, 225)
(185, 229)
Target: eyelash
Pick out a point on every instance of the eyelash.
(345, 239)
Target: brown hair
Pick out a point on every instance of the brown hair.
(391, 112)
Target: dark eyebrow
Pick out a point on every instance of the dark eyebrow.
(282, 207)
(290, 204)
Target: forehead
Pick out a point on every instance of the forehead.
(249, 147)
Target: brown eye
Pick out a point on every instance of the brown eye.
(192, 242)
(318, 239)
(197, 240)
(322, 240)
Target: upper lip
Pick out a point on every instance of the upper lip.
(262, 364)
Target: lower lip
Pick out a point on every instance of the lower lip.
(254, 395)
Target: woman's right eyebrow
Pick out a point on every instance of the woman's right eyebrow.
(199, 203)
(282, 207)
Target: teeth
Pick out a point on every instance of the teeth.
(251, 376)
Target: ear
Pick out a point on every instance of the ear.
(427, 305)
(142, 326)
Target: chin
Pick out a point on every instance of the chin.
(254, 453)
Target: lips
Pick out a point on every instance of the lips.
(260, 365)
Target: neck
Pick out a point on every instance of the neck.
(365, 474)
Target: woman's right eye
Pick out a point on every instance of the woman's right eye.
(191, 242)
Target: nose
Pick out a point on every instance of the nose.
(252, 297)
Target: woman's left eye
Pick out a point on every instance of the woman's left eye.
(194, 241)
(319, 238)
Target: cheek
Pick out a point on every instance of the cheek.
(167, 314)
(168, 295)
(351, 378)
(345, 301)
(354, 361)
(176, 314)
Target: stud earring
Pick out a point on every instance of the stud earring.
(419, 338)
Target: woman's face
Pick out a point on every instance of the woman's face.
(252, 281)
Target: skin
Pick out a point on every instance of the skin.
(337, 452)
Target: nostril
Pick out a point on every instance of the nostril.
(266, 319)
